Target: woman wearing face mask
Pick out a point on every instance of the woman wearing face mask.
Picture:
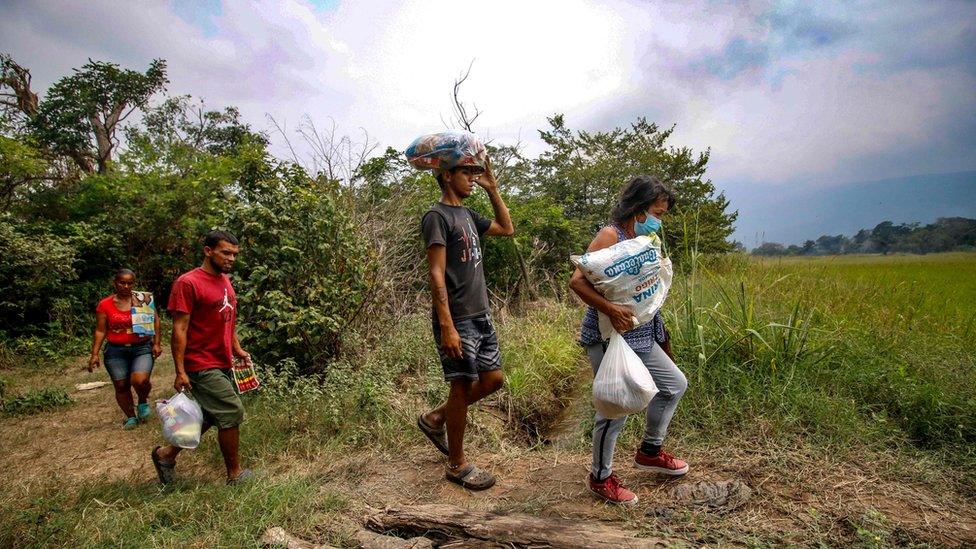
(131, 349)
(639, 210)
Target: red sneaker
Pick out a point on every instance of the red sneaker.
(612, 491)
(663, 463)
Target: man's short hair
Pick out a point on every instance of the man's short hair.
(214, 238)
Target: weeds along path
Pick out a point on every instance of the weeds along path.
(84, 440)
(798, 493)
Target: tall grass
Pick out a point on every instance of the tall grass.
(544, 368)
(841, 350)
(134, 513)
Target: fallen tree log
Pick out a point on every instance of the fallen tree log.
(372, 540)
(447, 522)
(278, 537)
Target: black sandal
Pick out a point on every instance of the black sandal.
(437, 437)
(471, 478)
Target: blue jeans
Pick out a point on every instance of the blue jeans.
(671, 385)
(122, 361)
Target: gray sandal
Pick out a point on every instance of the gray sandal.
(437, 437)
(471, 478)
(164, 469)
(242, 477)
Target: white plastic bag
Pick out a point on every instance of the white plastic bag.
(630, 273)
(182, 420)
(622, 385)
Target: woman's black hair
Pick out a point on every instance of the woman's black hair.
(123, 272)
(638, 195)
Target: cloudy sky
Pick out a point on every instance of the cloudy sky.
(790, 97)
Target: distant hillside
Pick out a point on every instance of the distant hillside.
(791, 215)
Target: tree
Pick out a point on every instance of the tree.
(17, 100)
(175, 136)
(20, 164)
(81, 113)
(886, 235)
(833, 245)
(769, 249)
(583, 173)
(304, 272)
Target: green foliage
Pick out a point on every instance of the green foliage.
(544, 369)
(584, 172)
(35, 401)
(946, 234)
(131, 512)
(175, 137)
(304, 273)
(33, 272)
(20, 164)
(80, 113)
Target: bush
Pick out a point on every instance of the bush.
(544, 368)
(304, 274)
(36, 400)
(33, 274)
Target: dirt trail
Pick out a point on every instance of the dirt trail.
(793, 496)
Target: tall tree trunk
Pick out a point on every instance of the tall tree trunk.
(103, 140)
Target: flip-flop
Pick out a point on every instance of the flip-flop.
(130, 423)
(164, 469)
(242, 477)
(471, 478)
(143, 412)
(437, 437)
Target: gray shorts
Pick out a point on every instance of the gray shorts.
(479, 345)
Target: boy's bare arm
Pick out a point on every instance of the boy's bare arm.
(502, 224)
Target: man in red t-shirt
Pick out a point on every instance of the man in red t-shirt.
(204, 343)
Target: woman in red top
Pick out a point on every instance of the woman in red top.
(131, 350)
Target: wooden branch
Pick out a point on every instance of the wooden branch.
(278, 537)
(462, 114)
(519, 530)
(372, 540)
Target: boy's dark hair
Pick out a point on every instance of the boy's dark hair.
(438, 175)
(215, 237)
(638, 195)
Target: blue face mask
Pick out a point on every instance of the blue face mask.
(649, 226)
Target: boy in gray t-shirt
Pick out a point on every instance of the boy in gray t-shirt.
(465, 336)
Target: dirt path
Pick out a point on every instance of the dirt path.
(793, 495)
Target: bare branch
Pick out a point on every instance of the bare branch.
(284, 135)
(461, 114)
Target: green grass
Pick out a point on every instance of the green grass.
(34, 401)
(841, 348)
(138, 513)
(846, 354)
(543, 367)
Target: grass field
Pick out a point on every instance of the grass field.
(841, 389)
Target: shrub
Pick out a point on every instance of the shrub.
(544, 368)
(36, 400)
(303, 272)
(33, 273)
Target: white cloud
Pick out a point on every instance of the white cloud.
(836, 113)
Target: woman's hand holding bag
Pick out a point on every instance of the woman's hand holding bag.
(623, 385)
